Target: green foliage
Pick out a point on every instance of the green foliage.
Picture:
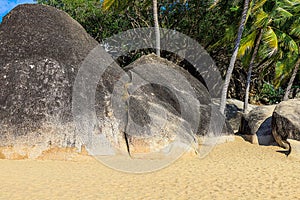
(102, 20)
(90, 15)
(214, 28)
(270, 95)
(279, 47)
(247, 43)
(271, 42)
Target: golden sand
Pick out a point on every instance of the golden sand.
(234, 170)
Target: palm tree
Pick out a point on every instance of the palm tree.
(294, 31)
(269, 25)
(250, 69)
(287, 92)
(233, 58)
(156, 28)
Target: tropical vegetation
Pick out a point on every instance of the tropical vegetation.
(255, 43)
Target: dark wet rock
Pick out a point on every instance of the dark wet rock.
(286, 122)
(256, 125)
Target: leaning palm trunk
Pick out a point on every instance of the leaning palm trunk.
(156, 28)
(233, 58)
(250, 69)
(287, 92)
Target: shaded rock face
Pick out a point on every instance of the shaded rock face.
(286, 122)
(294, 93)
(41, 49)
(149, 117)
(144, 118)
(167, 106)
(256, 125)
(234, 111)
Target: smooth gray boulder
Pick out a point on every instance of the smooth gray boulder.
(256, 125)
(168, 107)
(286, 122)
(146, 109)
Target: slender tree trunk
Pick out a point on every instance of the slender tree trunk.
(287, 92)
(233, 58)
(250, 69)
(156, 28)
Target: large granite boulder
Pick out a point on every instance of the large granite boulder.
(256, 125)
(167, 105)
(145, 111)
(42, 52)
(286, 122)
(234, 112)
(41, 49)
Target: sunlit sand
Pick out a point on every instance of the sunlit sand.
(233, 170)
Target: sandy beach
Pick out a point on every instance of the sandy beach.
(233, 170)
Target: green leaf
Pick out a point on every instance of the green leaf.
(234, 8)
(270, 39)
(107, 4)
(296, 30)
(279, 74)
(287, 42)
(258, 5)
(247, 43)
(280, 12)
(261, 19)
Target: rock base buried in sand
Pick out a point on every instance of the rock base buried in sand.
(286, 121)
(256, 125)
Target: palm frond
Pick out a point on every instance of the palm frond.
(261, 18)
(295, 30)
(287, 42)
(292, 45)
(107, 4)
(258, 5)
(282, 13)
(119, 5)
(270, 39)
(283, 68)
(279, 73)
(291, 2)
(247, 44)
(249, 12)
(229, 37)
